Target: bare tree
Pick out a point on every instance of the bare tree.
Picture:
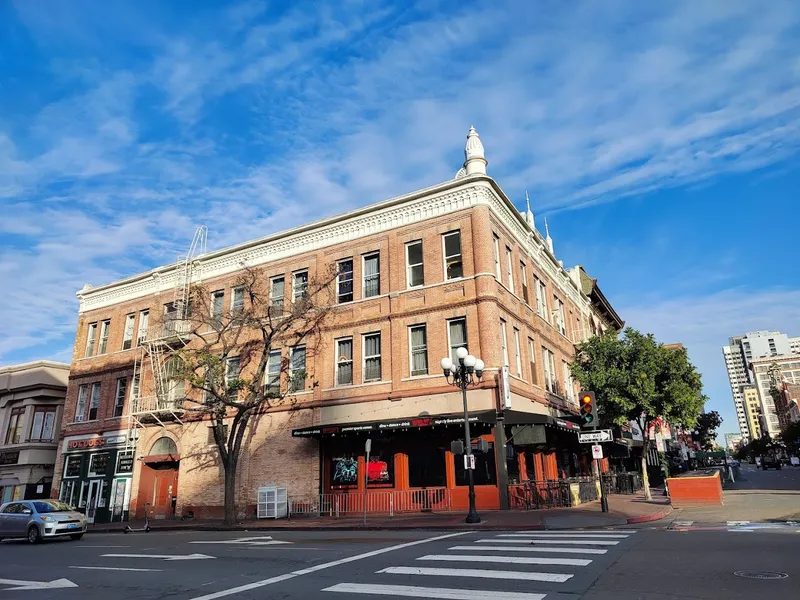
(227, 361)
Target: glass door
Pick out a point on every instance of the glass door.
(93, 498)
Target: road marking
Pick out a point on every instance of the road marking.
(412, 591)
(20, 584)
(573, 532)
(482, 573)
(264, 540)
(566, 535)
(737, 523)
(113, 569)
(87, 546)
(683, 523)
(335, 563)
(530, 548)
(562, 541)
(519, 560)
(162, 556)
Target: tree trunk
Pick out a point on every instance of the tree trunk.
(645, 478)
(230, 492)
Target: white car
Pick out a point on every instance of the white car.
(40, 519)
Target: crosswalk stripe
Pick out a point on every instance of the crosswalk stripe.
(563, 541)
(519, 560)
(574, 532)
(530, 549)
(413, 591)
(613, 536)
(483, 573)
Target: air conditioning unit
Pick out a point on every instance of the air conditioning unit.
(272, 503)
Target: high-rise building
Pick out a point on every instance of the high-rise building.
(739, 355)
(732, 441)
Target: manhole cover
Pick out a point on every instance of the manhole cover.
(761, 574)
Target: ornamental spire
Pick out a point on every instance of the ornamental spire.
(474, 154)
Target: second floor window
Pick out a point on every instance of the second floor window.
(127, 336)
(80, 407)
(15, 422)
(276, 293)
(119, 396)
(94, 402)
(372, 357)
(344, 361)
(372, 275)
(232, 368)
(91, 339)
(299, 285)
(419, 350)
(104, 327)
(415, 275)
(44, 424)
(344, 281)
(456, 336)
(274, 373)
(453, 266)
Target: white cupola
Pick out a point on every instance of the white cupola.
(475, 160)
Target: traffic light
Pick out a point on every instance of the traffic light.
(588, 409)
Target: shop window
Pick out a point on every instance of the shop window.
(98, 464)
(380, 468)
(427, 466)
(70, 493)
(72, 465)
(485, 468)
(344, 471)
(512, 464)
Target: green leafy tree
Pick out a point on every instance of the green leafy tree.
(707, 425)
(636, 379)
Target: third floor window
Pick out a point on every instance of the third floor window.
(91, 339)
(127, 336)
(104, 327)
(344, 281)
(344, 361)
(299, 285)
(414, 269)
(44, 424)
(372, 275)
(453, 265)
(276, 292)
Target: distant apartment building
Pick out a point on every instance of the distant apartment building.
(752, 411)
(776, 373)
(419, 276)
(31, 405)
(732, 441)
(739, 355)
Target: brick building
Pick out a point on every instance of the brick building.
(421, 274)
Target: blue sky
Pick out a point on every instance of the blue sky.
(660, 140)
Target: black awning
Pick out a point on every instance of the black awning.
(393, 425)
(515, 417)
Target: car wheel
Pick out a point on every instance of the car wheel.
(34, 536)
(76, 536)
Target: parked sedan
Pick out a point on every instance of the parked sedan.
(40, 519)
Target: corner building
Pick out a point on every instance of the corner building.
(421, 275)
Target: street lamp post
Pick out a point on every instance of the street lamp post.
(467, 371)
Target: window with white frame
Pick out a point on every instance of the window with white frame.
(127, 335)
(517, 353)
(44, 424)
(561, 322)
(415, 274)
(98, 464)
(232, 367)
(569, 391)
(144, 323)
(299, 285)
(532, 361)
(344, 281)
(119, 396)
(549, 364)
(217, 305)
(80, 406)
(94, 402)
(91, 339)
(418, 341)
(504, 341)
(496, 248)
(297, 369)
(372, 275)
(453, 265)
(135, 386)
(456, 336)
(541, 299)
(274, 373)
(344, 361)
(523, 276)
(174, 379)
(237, 300)
(277, 289)
(104, 327)
(15, 425)
(372, 357)
(509, 269)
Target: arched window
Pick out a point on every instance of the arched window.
(164, 445)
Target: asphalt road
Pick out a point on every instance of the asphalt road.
(642, 564)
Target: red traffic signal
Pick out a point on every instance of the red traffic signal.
(588, 407)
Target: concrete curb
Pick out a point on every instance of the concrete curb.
(654, 517)
(538, 527)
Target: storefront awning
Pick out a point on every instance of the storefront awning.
(391, 425)
(515, 417)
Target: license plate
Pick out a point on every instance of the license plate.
(73, 525)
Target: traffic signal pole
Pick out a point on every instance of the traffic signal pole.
(589, 419)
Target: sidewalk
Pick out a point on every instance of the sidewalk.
(623, 510)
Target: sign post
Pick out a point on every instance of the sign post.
(367, 449)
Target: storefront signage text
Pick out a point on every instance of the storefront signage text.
(9, 458)
(96, 442)
(386, 425)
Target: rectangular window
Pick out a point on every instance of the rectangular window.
(276, 293)
(456, 336)
(119, 396)
(299, 285)
(344, 361)
(14, 433)
(80, 407)
(496, 248)
(104, 327)
(98, 464)
(549, 364)
(44, 424)
(523, 275)
(237, 300)
(274, 373)
(509, 269)
(418, 335)
(541, 299)
(453, 266)
(344, 281)
(127, 335)
(532, 359)
(232, 367)
(517, 353)
(504, 341)
(144, 323)
(135, 386)
(72, 466)
(560, 319)
(297, 369)
(415, 274)
(568, 387)
(94, 402)
(427, 465)
(372, 357)
(91, 338)
(372, 275)
(217, 305)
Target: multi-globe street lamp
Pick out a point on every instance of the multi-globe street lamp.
(467, 370)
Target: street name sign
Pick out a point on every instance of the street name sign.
(592, 437)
